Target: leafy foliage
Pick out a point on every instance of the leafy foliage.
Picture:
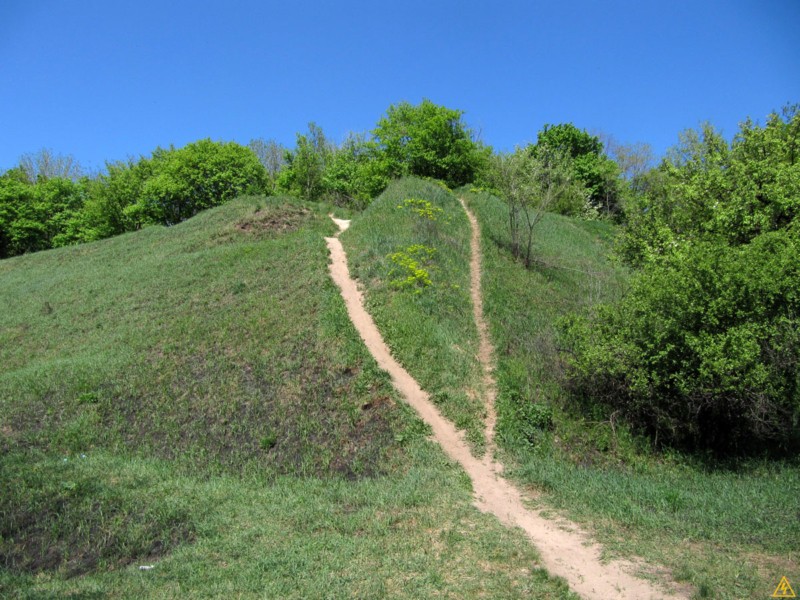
(355, 174)
(534, 183)
(707, 189)
(428, 140)
(305, 165)
(167, 188)
(588, 162)
(38, 216)
(196, 177)
(704, 350)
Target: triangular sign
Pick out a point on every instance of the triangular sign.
(784, 590)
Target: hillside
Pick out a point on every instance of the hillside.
(725, 529)
(193, 399)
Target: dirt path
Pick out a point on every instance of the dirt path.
(485, 349)
(565, 551)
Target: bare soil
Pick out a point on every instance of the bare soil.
(565, 550)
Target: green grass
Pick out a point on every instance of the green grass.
(196, 399)
(413, 535)
(430, 329)
(731, 531)
(200, 343)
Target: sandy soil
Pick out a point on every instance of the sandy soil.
(565, 551)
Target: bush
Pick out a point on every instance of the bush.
(704, 350)
(196, 177)
(428, 140)
(38, 216)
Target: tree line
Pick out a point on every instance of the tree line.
(703, 352)
(47, 201)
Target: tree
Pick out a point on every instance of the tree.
(707, 188)
(534, 183)
(38, 216)
(428, 140)
(354, 174)
(305, 165)
(46, 164)
(569, 140)
(114, 199)
(272, 155)
(196, 177)
(590, 165)
(704, 350)
(633, 160)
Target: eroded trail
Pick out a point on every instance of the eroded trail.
(564, 550)
(485, 349)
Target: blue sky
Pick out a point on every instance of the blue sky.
(104, 80)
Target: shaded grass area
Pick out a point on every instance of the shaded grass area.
(196, 399)
(429, 328)
(730, 530)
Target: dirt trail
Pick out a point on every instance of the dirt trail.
(565, 551)
(485, 349)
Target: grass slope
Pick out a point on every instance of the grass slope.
(196, 399)
(429, 328)
(731, 531)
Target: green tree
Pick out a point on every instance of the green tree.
(533, 183)
(306, 164)
(704, 350)
(196, 177)
(354, 173)
(707, 188)
(108, 207)
(428, 140)
(589, 163)
(38, 216)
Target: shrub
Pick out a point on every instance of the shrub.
(428, 140)
(196, 177)
(704, 350)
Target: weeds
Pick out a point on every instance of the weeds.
(410, 267)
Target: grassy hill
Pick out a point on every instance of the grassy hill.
(195, 399)
(730, 530)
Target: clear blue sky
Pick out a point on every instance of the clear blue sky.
(103, 80)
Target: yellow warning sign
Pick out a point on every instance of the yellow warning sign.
(784, 590)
